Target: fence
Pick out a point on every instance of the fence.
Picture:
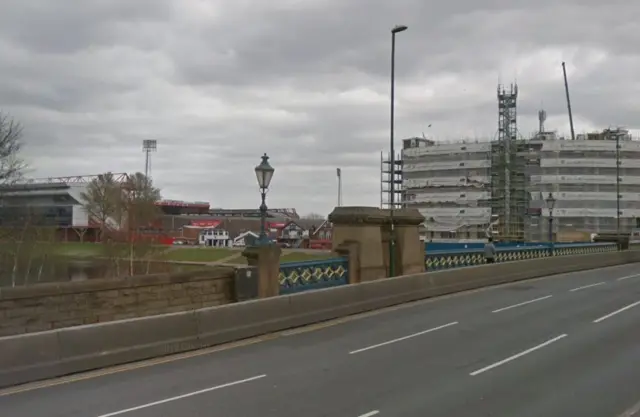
(312, 275)
(446, 259)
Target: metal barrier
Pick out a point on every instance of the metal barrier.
(312, 275)
(438, 260)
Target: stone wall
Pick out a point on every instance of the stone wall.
(56, 305)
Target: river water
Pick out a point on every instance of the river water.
(81, 269)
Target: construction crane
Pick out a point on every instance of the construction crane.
(566, 90)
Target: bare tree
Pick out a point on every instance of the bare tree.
(11, 170)
(138, 211)
(102, 200)
(11, 166)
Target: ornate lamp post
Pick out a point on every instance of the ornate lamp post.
(551, 202)
(264, 173)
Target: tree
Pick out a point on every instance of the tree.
(11, 166)
(11, 170)
(137, 210)
(138, 201)
(314, 216)
(102, 200)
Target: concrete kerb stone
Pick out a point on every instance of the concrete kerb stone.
(30, 357)
(392, 291)
(95, 346)
(232, 322)
(326, 304)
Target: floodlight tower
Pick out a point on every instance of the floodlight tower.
(148, 146)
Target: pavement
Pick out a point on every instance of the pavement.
(566, 345)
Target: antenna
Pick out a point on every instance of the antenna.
(542, 117)
(148, 146)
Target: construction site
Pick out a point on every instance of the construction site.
(541, 188)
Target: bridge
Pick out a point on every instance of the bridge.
(535, 335)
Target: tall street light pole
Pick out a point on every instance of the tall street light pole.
(551, 202)
(618, 188)
(392, 197)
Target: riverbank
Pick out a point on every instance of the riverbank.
(192, 254)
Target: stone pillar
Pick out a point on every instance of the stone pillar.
(361, 225)
(350, 249)
(410, 251)
(266, 259)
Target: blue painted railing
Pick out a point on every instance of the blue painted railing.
(446, 259)
(312, 275)
(458, 246)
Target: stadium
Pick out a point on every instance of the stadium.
(57, 202)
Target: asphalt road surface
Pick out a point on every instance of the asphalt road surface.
(567, 345)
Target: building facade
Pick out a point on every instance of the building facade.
(583, 177)
(466, 190)
(450, 185)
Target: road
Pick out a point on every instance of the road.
(560, 346)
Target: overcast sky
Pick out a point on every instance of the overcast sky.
(219, 82)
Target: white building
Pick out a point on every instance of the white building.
(581, 175)
(212, 236)
(449, 183)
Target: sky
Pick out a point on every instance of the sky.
(218, 83)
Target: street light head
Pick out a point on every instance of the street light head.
(264, 172)
(551, 201)
(399, 28)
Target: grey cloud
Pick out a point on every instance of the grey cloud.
(218, 83)
(63, 27)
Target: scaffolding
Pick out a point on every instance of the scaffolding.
(386, 176)
(509, 162)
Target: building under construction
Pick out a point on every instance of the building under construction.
(469, 189)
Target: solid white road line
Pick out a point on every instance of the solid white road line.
(616, 312)
(587, 286)
(509, 359)
(522, 304)
(370, 413)
(628, 276)
(403, 338)
(179, 397)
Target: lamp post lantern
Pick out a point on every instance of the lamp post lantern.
(392, 197)
(264, 174)
(551, 202)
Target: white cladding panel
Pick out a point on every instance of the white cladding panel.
(473, 181)
(441, 166)
(456, 212)
(582, 179)
(452, 218)
(447, 149)
(462, 197)
(588, 163)
(590, 145)
(587, 196)
(591, 212)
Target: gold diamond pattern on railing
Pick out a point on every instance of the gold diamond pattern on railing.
(300, 276)
(446, 261)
